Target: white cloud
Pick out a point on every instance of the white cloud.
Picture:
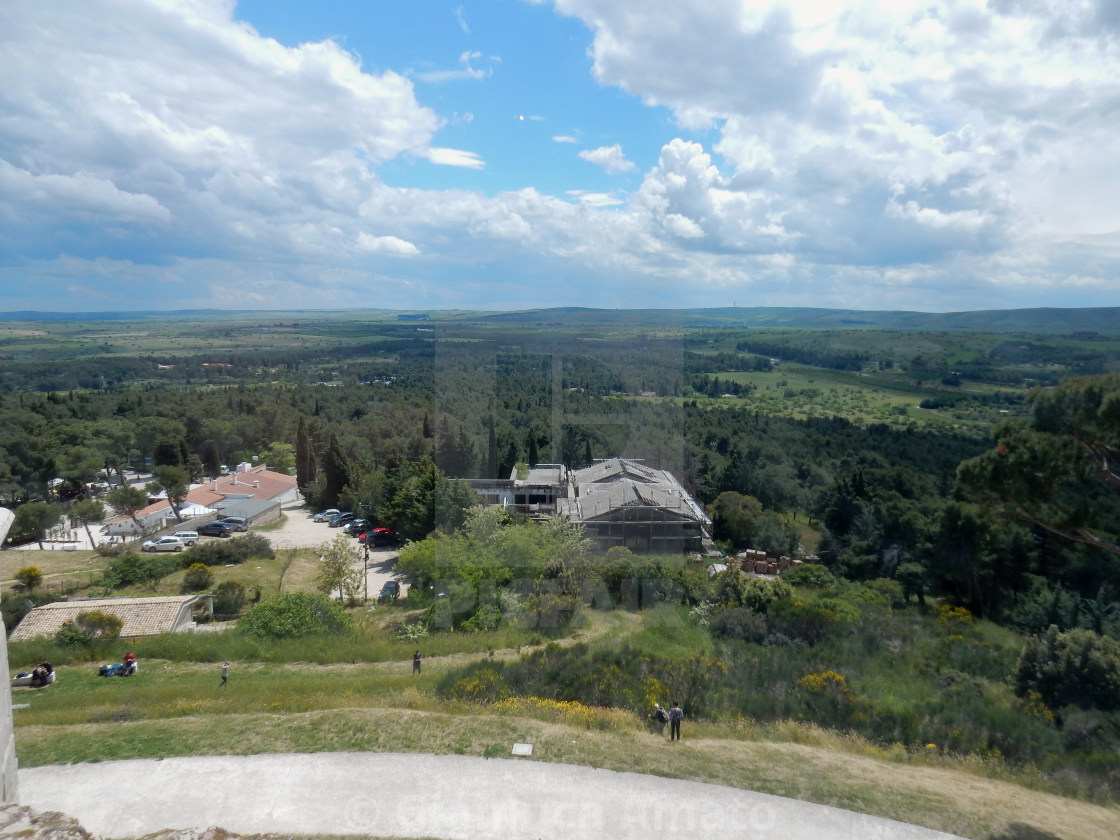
(391, 245)
(461, 19)
(610, 158)
(874, 134)
(454, 157)
(913, 155)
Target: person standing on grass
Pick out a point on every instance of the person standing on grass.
(225, 675)
(416, 662)
(676, 715)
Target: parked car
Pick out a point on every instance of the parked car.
(164, 544)
(189, 538)
(325, 515)
(237, 523)
(215, 529)
(378, 536)
(357, 526)
(340, 519)
(390, 591)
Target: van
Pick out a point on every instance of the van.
(237, 523)
(188, 538)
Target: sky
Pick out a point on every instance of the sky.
(934, 155)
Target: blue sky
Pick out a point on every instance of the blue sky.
(274, 154)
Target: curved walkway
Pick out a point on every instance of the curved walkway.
(442, 796)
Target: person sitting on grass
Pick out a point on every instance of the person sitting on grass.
(41, 675)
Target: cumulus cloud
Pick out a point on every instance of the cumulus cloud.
(172, 126)
(610, 158)
(874, 135)
(954, 154)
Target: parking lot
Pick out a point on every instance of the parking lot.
(298, 531)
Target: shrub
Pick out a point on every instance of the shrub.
(229, 597)
(30, 577)
(70, 635)
(735, 589)
(198, 578)
(486, 617)
(738, 623)
(1078, 668)
(295, 614)
(809, 575)
(891, 591)
(813, 621)
(130, 569)
(100, 626)
(234, 550)
(89, 628)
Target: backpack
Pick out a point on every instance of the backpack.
(675, 713)
(661, 716)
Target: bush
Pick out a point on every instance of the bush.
(809, 575)
(1078, 668)
(813, 621)
(234, 550)
(30, 577)
(735, 589)
(198, 578)
(738, 623)
(130, 569)
(295, 614)
(229, 597)
(88, 629)
(890, 590)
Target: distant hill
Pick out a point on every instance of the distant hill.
(1063, 321)
(1104, 320)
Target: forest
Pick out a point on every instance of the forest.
(941, 466)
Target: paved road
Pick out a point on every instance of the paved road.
(427, 796)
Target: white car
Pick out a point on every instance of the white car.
(188, 538)
(326, 515)
(164, 544)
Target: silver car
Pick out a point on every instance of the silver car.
(164, 544)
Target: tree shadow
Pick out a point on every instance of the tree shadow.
(1020, 831)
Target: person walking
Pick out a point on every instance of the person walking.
(676, 715)
(225, 675)
(416, 662)
(660, 718)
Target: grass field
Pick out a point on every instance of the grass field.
(177, 708)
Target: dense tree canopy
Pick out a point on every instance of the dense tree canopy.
(1059, 472)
